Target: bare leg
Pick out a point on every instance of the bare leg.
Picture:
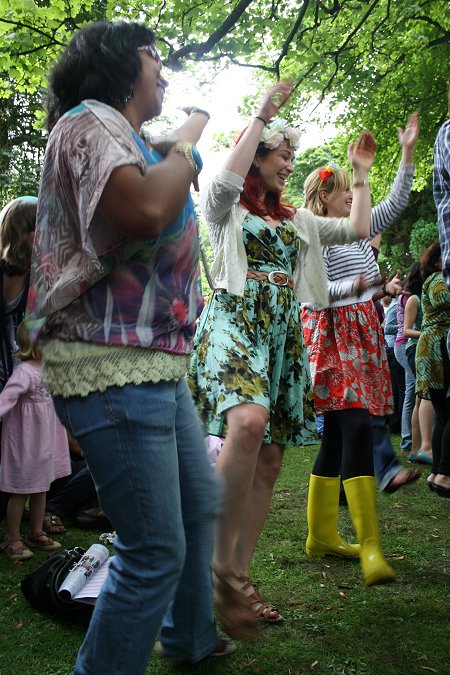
(236, 465)
(253, 519)
(14, 513)
(426, 419)
(37, 511)
(415, 429)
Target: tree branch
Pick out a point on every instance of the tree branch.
(173, 61)
(287, 42)
(33, 29)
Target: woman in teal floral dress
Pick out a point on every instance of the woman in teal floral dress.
(432, 364)
(249, 373)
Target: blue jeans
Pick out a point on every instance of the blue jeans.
(385, 462)
(410, 397)
(145, 450)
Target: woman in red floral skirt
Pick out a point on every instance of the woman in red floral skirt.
(349, 368)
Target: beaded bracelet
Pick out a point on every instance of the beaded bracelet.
(200, 110)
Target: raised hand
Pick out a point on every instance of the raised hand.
(394, 286)
(408, 136)
(274, 99)
(361, 154)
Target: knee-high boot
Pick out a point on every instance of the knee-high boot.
(361, 498)
(323, 503)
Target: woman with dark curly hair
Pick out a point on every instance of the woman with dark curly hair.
(115, 274)
(432, 364)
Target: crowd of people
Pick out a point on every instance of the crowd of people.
(100, 377)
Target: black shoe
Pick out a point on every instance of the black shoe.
(93, 519)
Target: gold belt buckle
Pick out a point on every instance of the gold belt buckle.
(271, 278)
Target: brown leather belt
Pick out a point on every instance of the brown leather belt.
(276, 277)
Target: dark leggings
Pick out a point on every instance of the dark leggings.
(440, 440)
(346, 443)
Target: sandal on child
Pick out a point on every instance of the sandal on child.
(262, 610)
(233, 608)
(41, 541)
(16, 553)
(53, 524)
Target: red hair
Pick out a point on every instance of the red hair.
(272, 205)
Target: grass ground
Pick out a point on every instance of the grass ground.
(333, 622)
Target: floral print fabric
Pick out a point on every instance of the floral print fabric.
(348, 359)
(435, 326)
(250, 349)
(90, 282)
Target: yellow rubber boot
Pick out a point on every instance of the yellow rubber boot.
(323, 504)
(361, 498)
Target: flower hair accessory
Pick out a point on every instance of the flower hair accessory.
(278, 131)
(328, 170)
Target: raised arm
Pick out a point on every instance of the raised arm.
(387, 211)
(361, 155)
(242, 156)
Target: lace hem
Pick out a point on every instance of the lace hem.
(78, 369)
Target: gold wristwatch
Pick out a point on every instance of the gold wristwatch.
(184, 148)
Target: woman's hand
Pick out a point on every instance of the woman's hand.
(408, 137)
(163, 147)
(394, 286)
(360, 285)
(361, 154)
(274, 99)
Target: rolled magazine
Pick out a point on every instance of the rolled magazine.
(86, 578)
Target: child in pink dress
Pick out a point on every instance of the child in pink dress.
(35, 450)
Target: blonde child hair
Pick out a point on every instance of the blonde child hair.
(337, 181)
(28, 349)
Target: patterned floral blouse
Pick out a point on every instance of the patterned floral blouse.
(89, 282)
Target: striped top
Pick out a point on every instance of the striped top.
(343, 264)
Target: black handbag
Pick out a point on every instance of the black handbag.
(41, 587)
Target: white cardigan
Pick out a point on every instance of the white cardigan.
(224, 216)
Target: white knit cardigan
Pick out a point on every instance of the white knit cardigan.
(224, 216)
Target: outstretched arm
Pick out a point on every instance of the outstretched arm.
(387, 211)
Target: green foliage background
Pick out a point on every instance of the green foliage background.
(372, 61)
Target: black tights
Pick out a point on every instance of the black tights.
(347, 443)
(440, 440)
